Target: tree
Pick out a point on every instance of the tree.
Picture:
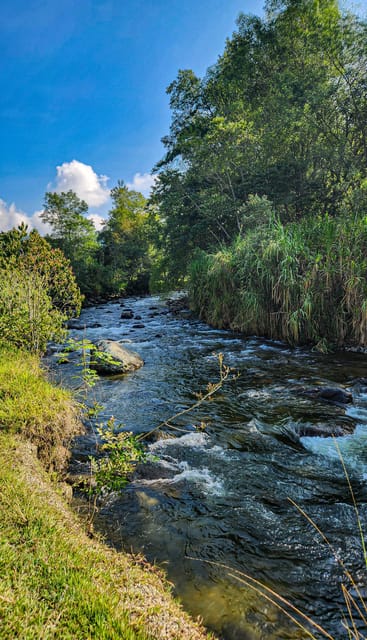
(282, 114)
(125, 244)
(74, 234)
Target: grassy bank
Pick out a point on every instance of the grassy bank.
(302, 282)
(55, 581)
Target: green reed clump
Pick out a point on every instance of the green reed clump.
(302, 282)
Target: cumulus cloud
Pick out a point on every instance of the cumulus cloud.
(82, 179)
(142, 182)
(11, 217)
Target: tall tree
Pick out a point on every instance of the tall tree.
(73, 233)
(124, 241)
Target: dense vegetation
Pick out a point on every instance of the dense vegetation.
(38, 291)
(115, 260)
(302, 282)
(266, 170)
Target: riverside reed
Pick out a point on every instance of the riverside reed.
(302, 282)
(55, 581)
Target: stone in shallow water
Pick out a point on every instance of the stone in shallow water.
(110, 358)
(127, 315)
(334, 395)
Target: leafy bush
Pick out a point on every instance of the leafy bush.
(34, 254)
(28, 318)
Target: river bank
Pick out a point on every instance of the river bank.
(55, 580)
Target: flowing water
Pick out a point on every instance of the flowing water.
(214, 502)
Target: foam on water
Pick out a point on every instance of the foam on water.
(352, 447)
(194, 440)
(199, 476)
(358, 413)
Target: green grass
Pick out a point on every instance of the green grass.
(303, 283)
(56, 582)
(30, 405)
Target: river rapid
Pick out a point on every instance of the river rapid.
(217, 501)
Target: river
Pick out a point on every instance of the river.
(217, 501)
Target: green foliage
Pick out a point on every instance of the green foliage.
(38, 291)
(301, 282)
(125, 243)
(33, 254)
(282, 114)
(28, 318)
(122, 451)
(74, 234)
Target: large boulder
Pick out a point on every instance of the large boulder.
(110, 358)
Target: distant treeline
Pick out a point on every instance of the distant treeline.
(113, 261)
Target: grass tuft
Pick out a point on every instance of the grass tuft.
(303, 282)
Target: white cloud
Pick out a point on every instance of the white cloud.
(11, 217)
(97, 220)
(142, 182)
(82, 179)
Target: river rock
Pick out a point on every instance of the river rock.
(324, 430)
(110, 358)
(139, 325)
(334, 395)
(128, 314)
(78, 326)
(178, 304)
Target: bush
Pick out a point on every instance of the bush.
(28, 318)
(34, 254)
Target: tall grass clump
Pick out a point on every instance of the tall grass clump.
(303, 282)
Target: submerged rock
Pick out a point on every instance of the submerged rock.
(326, 430)
(127, 315)
(78, 326)
(334, 395)
(110, 358)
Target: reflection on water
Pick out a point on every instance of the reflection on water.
(223, 496)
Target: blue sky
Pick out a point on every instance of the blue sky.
(85, 80)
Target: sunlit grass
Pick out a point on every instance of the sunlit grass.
(303, 283)
(30, 405)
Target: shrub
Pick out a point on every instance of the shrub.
(28, 318)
